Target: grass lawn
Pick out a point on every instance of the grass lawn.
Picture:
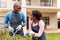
(51, 36)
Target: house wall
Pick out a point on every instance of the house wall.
(10, 3)
(55, 3)
(53, 16)
(53, 20)
(37, 3)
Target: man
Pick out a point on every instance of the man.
(15, 18)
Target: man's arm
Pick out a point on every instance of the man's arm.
(23, 19)
(6, 21)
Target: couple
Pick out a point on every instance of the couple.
(16, 17)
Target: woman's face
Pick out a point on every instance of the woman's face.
(32, 17)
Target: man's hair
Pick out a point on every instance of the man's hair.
(17, 3)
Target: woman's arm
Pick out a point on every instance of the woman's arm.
(41, 25)
(30, 30)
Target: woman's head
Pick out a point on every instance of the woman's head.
(36, 15)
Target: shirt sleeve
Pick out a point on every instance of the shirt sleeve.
(41, 25)
(30, 30)
(30, 22)
(6, 20)
(24, 19)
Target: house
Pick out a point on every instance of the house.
(48, 8)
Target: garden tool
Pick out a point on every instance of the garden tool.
(14, 32)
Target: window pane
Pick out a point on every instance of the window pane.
(46, 20)
(19, 1)
(13, 0)
(1, 19)
(28, 2)
(46, 2)
(3, 3)
(0, 3)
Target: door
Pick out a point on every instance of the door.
(59, 24)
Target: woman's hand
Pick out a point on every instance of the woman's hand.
(34, 35)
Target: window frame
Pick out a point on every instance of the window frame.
(46, 20)
(45, 3)
(28, 3)
(3, 4)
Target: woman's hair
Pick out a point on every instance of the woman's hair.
(37, 14)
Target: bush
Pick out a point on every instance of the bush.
(5, 36)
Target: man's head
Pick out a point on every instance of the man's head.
(17, 7)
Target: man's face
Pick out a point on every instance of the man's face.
(17, 8)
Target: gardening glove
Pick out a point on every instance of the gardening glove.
(31, 32)
(19, 27)
(11, 29)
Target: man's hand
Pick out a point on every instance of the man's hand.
(6, 26)
(11, 29)
(23, 25)
(19, 27)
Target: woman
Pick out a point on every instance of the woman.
(36, 25)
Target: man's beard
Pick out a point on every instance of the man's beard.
(16, 12)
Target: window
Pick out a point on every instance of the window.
(28, 2)
(3, 3)
(46, 20)
(1, 19)
(19, 1)
(46, 2)
(27, 22)
(0, 3)
(13, 0)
